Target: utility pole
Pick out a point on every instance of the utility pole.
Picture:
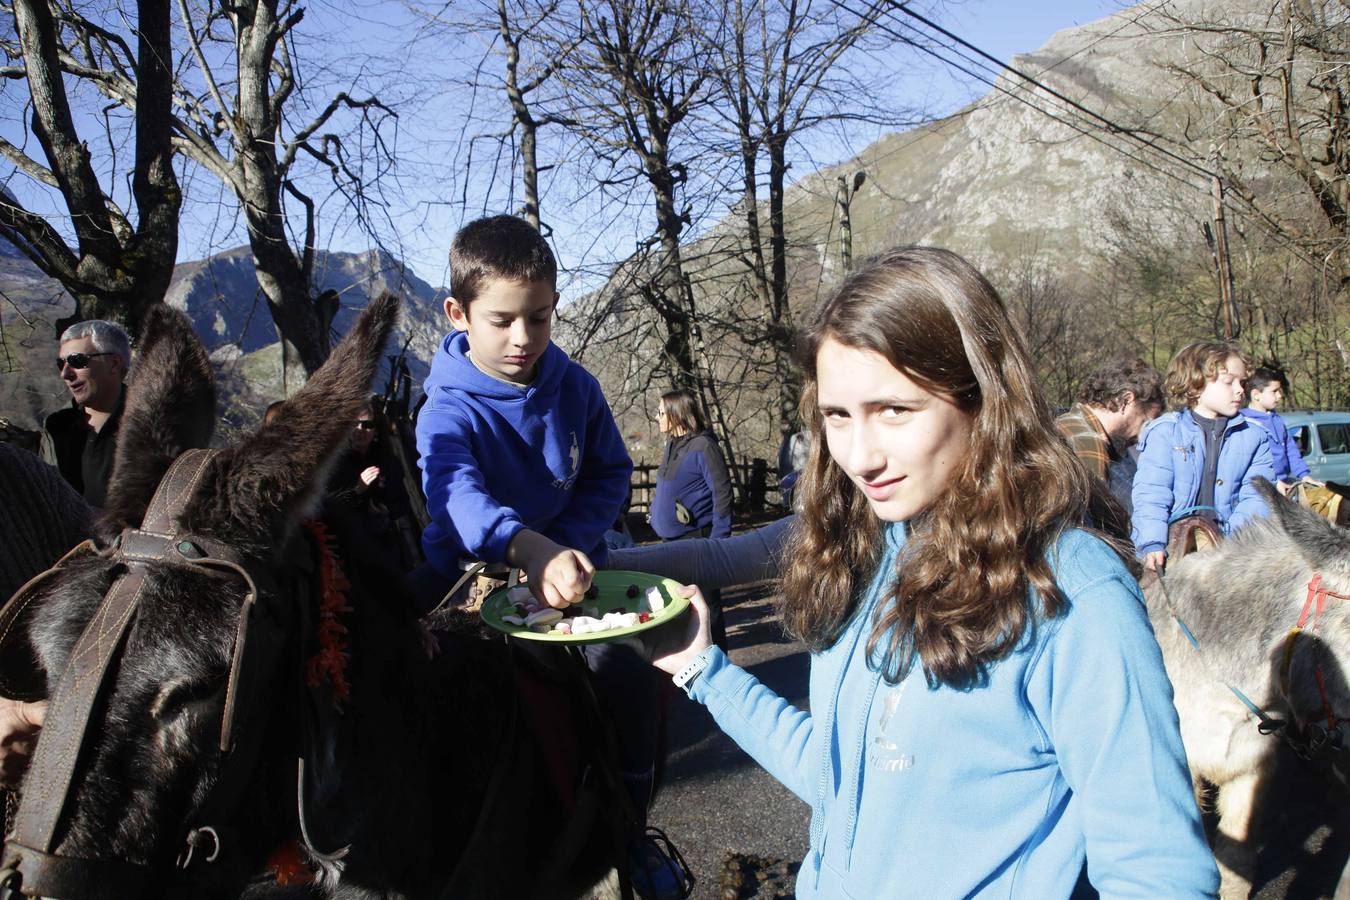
(844, 197)
(1221, 261)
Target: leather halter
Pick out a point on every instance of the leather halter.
(1313, 607)
(29, 860)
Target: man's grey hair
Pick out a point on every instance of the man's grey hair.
(108, 337)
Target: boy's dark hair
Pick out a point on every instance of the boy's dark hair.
(1261, 378)
(1107, 386)
(505, 247)
(1196, 364)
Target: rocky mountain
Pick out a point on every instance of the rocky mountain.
(220, 295)
(1021, 168)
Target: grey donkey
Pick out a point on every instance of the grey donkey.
(1241, 602)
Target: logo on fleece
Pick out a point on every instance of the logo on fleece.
(882, 752)
(573, 460)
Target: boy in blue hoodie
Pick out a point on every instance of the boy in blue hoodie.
(521, 460)
(1265, 393)
(1201, 459)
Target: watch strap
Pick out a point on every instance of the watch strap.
(692, 670)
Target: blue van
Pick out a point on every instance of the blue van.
(1323, 437)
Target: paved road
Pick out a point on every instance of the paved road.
(717, 801)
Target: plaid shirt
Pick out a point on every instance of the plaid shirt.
(1088, 439)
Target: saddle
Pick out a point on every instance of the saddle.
(1327, 502)
(1189, 534)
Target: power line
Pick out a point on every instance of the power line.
(1108, 123)
(1092, 132)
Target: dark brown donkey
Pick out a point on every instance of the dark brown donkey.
(208, 665)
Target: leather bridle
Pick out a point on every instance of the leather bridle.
(30, 865)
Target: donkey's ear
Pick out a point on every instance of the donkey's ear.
(1322, 544)
(170, 407)
(251, 491)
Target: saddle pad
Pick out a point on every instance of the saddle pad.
(613, 589)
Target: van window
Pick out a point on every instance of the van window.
(1300, 434)
(1334, 438)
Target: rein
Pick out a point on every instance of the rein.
(30, 863)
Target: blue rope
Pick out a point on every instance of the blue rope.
(1255, 710)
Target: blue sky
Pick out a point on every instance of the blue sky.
(425, 199)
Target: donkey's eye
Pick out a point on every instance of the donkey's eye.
(179, 695)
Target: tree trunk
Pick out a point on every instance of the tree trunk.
(282, 276)
(115, 272)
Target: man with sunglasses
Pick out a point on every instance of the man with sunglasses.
(79, 440)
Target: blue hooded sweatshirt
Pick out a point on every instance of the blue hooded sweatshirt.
(1171, 463)
(498, 458)
(1069, 749)
(1287, 460)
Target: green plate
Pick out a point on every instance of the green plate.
(613, 585)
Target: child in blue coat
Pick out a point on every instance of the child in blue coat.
(1202, 458)
(521, 459)
(1266, 392)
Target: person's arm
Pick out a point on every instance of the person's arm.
(1152, 493)
(458, 501)
(1103, 699)
(1298, 467)
(602, 484)
(774, 732)
(712, 564)
(714, 469)
(1250, 503)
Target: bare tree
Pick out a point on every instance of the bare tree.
(1271, 83)
(525, 37)
(638, 73)
(779, 75)
(238, 130)
(115, 269)
(225, 105)
(1277, 82)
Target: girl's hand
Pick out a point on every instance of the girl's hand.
(1155, 561)
(679, 642)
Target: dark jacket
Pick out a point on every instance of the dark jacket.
(692, 477)
(82, 456)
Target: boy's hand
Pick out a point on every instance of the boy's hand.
(562, 579)
(1155, 560)
(558, 576)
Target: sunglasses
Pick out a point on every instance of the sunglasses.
(78, 360)
(365, 424)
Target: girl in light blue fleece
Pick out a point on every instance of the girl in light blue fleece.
(989, 708)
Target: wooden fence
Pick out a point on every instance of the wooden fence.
(752, 484)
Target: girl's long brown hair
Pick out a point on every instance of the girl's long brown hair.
(960, 597)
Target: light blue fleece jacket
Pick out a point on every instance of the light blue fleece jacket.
(498, 457)
(1070, 749)
(1171, 461)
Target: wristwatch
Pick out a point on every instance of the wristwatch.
(692, 670)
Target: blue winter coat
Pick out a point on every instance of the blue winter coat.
(1171, 461)
(1288, 461)
(693, 472)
